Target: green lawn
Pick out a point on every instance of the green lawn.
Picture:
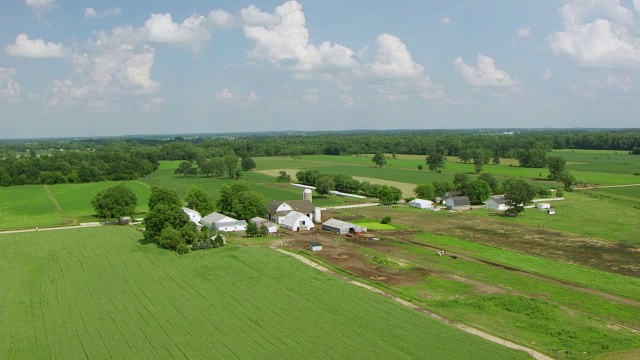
(100, 293)
(376, 225)
(27, 206)
(585, 214)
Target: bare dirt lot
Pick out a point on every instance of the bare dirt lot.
(591, 252)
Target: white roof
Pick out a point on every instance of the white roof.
(292, 218)
(421, 201)
(190, 211)
(216, 217)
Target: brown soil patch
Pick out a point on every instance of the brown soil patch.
(552, 244)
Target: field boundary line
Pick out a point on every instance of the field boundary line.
(468, 329)
(55, 203)
(143, 184)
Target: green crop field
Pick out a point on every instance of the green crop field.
(101, 293)
(27, 206)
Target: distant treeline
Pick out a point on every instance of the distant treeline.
(58, 167)
(49, 162)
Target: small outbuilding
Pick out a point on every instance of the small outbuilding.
(315, 246)
(272, 227)
(421, 204)
(458, 203)
(543, 206)
(223, 223)
(342, 227)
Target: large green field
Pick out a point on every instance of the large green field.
(102, 293)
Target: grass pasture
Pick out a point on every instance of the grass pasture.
(101, 293)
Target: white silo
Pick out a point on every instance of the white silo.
(307, 194)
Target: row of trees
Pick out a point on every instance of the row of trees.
(217, 166)
(325, 182)
(61, 167)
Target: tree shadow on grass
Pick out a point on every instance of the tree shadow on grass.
(144, 241)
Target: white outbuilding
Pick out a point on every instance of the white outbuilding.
(315, 246)
(421, 204)
(543, 206)
(272, 227)
(194, 216)
(497, 203)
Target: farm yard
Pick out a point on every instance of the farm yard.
(568, 281)
(104, 293)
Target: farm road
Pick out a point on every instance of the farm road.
(50, 229)
(470, 330)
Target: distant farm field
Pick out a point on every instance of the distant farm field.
(101, 293)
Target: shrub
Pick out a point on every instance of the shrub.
(385, 220)
(182, 248)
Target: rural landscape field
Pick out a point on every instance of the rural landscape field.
(564, 285)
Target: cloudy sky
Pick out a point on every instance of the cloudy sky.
(115, 67)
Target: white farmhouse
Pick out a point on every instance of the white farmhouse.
(297, 221)
(497, 203)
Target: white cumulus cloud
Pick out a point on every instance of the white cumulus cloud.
(91, 13)
(484, 73)
(547, 75)
(445, 21)
(253, 16)
(191, 32)
(222, 19)
(38, 48)
(228, 97)
(9, 88)
(599, 34)
(524, 32)
(393, 60)
(40, 7)
(282, 38)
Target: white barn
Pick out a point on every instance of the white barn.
(278, 210)
(223, 223)
(296, 221)
(421, 204)
(194, 216)
(497, 203)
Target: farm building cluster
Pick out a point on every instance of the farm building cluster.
(293, 215)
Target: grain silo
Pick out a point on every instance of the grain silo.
(307, 194)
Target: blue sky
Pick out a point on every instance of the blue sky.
(91, 68)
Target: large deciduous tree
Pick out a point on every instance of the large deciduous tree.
(519, 193)
(163, 195)
(379, 159)
(115, 202)
(436, 161)
(230, 165)
(247, 163)
(477, 191)
(556, 167)
(443, 187)
(197, 199)
(239, 200)
(389, 194)
(425, 191)
(324, 184)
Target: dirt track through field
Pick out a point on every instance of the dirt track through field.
(468, 329)
(573, 286)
